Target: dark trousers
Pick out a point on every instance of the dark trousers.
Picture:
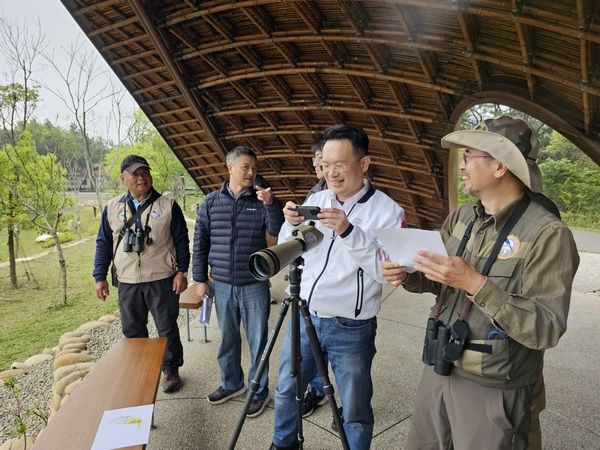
(135, 300)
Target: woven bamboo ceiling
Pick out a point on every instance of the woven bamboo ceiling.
(272, 75)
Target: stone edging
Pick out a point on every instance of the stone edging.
(72, 362)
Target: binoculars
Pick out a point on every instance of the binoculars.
(438, 350)
(133, 241)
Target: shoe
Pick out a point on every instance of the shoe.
(311, 401)
(221, 395)
(333, 424)
(171, 383)
(294, 446)
(257, 406)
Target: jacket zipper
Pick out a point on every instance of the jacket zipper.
(233, 239)
(312, 289)
(360, 285)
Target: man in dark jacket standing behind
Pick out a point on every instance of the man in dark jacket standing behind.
(231, 225)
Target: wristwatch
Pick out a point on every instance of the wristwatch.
(185, 274)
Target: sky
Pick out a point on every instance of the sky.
(60, 30)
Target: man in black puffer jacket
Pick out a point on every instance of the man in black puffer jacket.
(231, 225)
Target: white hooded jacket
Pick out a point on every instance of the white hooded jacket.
(342, 275)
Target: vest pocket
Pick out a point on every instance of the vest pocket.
(506, 358)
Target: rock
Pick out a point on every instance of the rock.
(36, 359)
(55, 403)
(48, 351)
(80, 346)
(84, 338)
(117, 313)
(92, 325)
(109, 318)
(12, 373)
(43, 237)
(17, 365)
(68, 351)
(64, 399)
(72, 358)
(69, 334)
(63, 371)
(71, 387)
(59, 387)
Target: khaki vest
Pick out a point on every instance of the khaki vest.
(511, 364)
(157, 260)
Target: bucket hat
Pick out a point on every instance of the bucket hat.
(508, 139)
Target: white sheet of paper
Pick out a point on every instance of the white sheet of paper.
(402, 244)
(124, 427)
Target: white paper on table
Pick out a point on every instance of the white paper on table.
(124, 427)
(402, 244)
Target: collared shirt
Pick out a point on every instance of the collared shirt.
(528, 289)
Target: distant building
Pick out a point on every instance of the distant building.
(79, 179)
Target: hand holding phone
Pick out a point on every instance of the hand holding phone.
(308, 212)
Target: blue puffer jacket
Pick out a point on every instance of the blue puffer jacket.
(228, 230)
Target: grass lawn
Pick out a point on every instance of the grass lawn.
(29, 247)
(32, 317)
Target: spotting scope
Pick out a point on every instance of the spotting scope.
(267, 262)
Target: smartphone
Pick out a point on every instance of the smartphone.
(308, 212)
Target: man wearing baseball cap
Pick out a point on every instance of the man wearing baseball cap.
(145, 236)
(503, 296)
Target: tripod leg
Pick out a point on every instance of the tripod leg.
(296, 369)
(255, 383)
(323, 372)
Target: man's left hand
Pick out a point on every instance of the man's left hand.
(451, 270)
(334, 219)
(264, 195)
(179, 283)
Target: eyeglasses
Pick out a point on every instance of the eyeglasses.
(339, 166)
(469, 154)
(316, 161)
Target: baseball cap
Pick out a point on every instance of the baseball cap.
(133, 162)
(508, 139)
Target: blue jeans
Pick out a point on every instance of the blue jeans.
(251, 305)
(317, 384)
(350, 347)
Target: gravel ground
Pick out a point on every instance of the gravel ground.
(36, 386)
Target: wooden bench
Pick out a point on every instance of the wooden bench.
(127, 375)
(188, 300)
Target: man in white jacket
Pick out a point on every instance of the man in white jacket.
(341, 283)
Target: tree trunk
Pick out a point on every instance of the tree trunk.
(78, 209)
(62, 264)
(11, 257)
(87, 156)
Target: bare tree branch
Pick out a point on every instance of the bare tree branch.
(85, 87)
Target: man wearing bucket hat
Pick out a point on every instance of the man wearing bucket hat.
(502, 296)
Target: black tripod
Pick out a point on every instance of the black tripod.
(298, 307)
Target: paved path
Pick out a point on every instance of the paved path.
(185, 420)
(587, 241)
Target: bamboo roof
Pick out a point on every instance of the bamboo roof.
(273, 75)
